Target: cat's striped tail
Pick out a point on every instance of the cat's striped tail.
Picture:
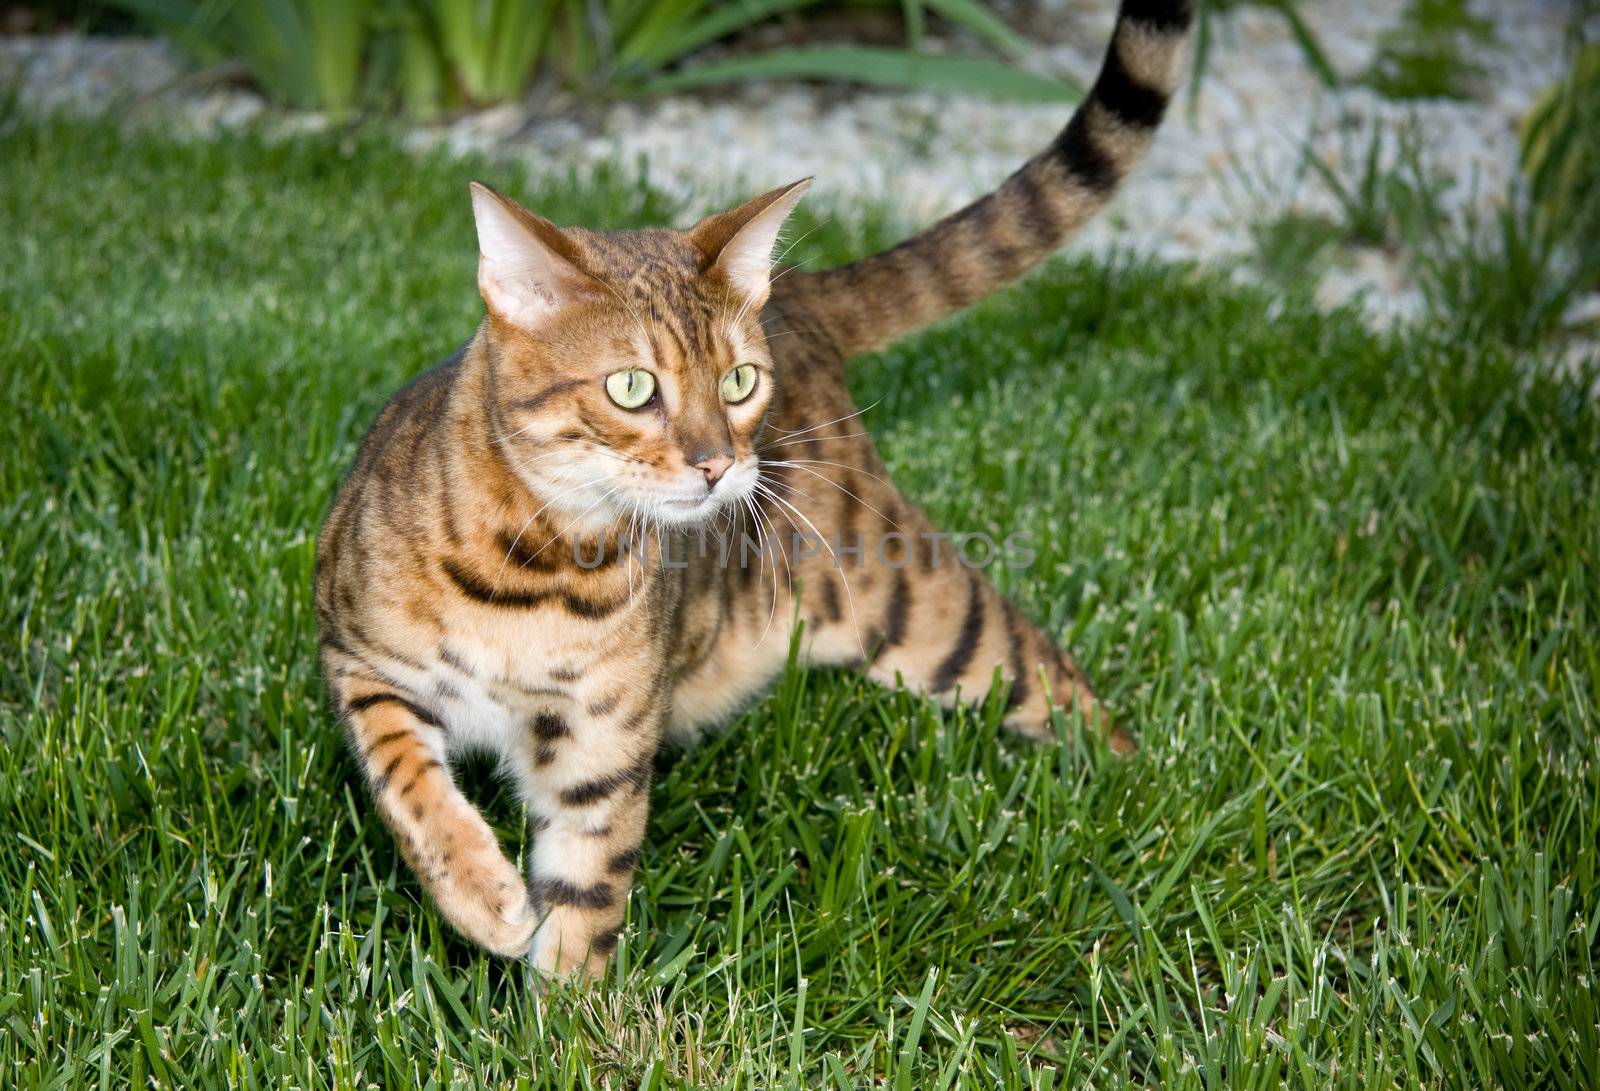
(996, 239)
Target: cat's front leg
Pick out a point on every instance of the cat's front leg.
(401, 747)
(590, 796)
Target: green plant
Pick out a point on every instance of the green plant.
(880, 67)
(489, 48)
(304, 53)
(1507, 276)
(883, 67)
(1293, 248)
(1421, 57)
(1561, 146)
(431, 56)
(1369, 180)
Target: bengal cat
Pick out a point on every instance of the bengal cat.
(518, 560)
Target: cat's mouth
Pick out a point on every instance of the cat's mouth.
(692, 510)
(680, 507)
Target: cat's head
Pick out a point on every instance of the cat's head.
(628, 373)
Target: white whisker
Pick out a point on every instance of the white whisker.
(810, 439)
(849, 595)
(825, 424)
(824, 477)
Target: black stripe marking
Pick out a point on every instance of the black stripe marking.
(547, 725)
(1128, 99)
(990, 240)
(560, 892)
(1019, 677)
(605, 940)
(588, 608)
(1167, 16)
(523, 554)
(381, 784)
(384, 740)
(605, 706)
(454, 661)
(894, 617)
(635, 776)
(1083, 158)
(367, 700)
(535, 403)
(331, 642)
(960, 657)
(1038, 214)
(480, 591)
(623, 862)
(830, 598)
(422, 771)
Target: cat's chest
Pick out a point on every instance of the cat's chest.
(494, 671)
(486, 689)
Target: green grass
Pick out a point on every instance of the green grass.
(1294, 248)
(1343, 586)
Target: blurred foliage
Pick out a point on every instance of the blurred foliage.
(48, 16)
(428, 57)
(1422, 55)
(303, 52)
(1561, 146)
(1505, 272)
(1205, 33)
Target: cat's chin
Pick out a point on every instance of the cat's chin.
(688, 513)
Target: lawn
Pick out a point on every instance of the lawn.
(1342, 585)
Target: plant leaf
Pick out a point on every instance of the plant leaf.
(981, 21)
(656, 42)
(878, 67)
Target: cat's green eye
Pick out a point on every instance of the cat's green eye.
(632, 388)
(738, 383)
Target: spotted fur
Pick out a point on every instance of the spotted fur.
(517, 564)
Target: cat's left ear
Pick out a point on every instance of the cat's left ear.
(738, 243)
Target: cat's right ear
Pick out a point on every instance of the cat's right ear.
(527, 266)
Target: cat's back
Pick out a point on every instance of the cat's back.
(382, 482)
(409, 414)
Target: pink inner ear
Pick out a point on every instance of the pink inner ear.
(526, 264)
(742, 239)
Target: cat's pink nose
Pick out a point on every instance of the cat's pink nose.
(714, 467)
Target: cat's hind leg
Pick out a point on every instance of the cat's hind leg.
(910, 606)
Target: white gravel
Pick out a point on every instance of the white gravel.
(1231, 157)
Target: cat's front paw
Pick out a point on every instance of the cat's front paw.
(571, 949)
(484, 896)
